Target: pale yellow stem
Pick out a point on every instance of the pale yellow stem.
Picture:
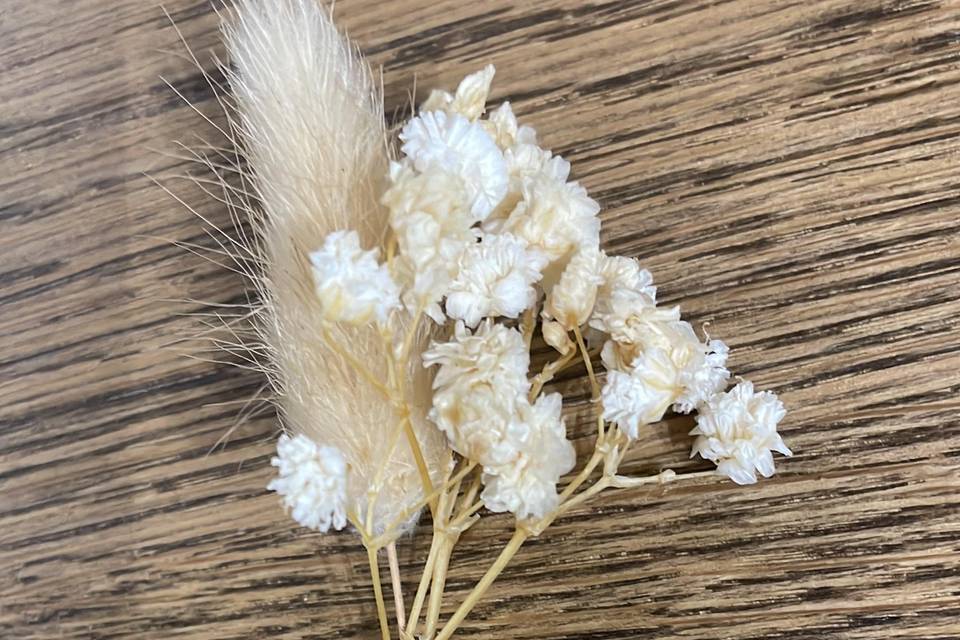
(594, 387)
(356, 364)
(528, 324)
(396, 585)
(378, 593)
(519, 537)
(439, 582)
(425, 579)
(548, 372)
(421, 463)
(409, 511)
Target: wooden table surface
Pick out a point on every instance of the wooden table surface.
(789, 171)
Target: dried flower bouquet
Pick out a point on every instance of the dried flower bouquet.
(398, 295)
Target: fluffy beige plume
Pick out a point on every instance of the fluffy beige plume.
(309, 121)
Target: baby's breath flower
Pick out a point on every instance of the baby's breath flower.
(527, 487)
(622, 274)
(737, 430)
(493, 354)
(641, 395)
(481, 383)
(312, 481)
(470, 99)
(430, 215)
(495, 278)
(503, 127)
(702, 375)
(571, 300)
(353, 288)
(448, 142)
(555, 217)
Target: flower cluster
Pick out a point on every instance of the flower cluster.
(313, 482)
(488, 233)
(481, 403)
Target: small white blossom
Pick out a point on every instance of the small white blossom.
(353, 288)
(470, 99)
(448, 142)
(737, 430)
(571, 300)
(493, 354)
(480, 419)
(555, 217)
(702, 375)
(312, 481)
(621, 274)
(480, 385)
(641, 395)
(527, 487)
(430, 215)
(503, 127)
(495, 278)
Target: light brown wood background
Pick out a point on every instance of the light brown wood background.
(790, 172)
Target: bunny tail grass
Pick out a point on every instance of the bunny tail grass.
(309, 121)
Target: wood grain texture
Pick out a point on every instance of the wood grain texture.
(789, 171)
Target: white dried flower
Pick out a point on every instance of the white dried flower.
(352, 286)
(481, 383)
(556, 336)
(480, 419)
(502, 125)
(621, 274)
(641, 395)
(629, 315)
(430, 215)
(555, 217)
(702, 375)
(440, 141)
(737, 430)
(470, 99)
(571, 300)
(495, 278)
(527, 487)
(493, 354)
(312, 481)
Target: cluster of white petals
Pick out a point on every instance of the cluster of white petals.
(312, 480)
(353, 287)
(495, 278)
(555, 217)
(470, 100)
(571, 300)
(480, 402)
(487, 225)
(437, 141)
(738, 431)
(527, 486)
(431, 220)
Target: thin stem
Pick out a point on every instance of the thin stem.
(528, 324)
(447, 541)
(356, 364)
(378, 593)
(665, 476)
(464, 515)
(422, 587)
(549, 370)
(396, 585)
(519, 537)
(595, 388)
(409, 511)
(421, 463)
